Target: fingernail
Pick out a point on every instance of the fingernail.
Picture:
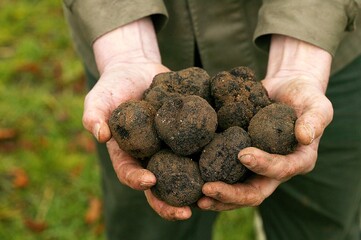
(247, 159)
(182, 214)
(146, 184)
(310, 132)
(96, 131)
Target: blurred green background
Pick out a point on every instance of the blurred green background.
(49, 180)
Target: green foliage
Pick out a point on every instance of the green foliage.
(48, 166)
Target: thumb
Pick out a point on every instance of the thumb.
(95, 117)
(311, 124)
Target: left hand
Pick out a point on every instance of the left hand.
(305, 92)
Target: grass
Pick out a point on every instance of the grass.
(49, 179)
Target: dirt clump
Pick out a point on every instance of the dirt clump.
(179, 182)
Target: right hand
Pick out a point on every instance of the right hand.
(116, 85)
(127, 58)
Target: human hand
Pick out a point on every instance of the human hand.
(299, 79)
(127, 58)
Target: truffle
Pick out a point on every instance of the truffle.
(132, 127)
(237, 92)
(186, 124)
(189, 81)
(272, 129)
(219, 159)
(179, 182)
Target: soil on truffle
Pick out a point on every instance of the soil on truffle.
(237, 91)
(132, 127)
(179, 182)
(272, 129)
(189, 81)
(243, 72)
(186, 124)
(234, 114)
(219, 159)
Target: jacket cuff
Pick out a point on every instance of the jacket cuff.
(321, 23)
(97, 17)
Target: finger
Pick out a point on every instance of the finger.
(250, 193)
(96, 115)
(314, 119)
(166, 211)
(280, 167)
(129, 170)
(207, 203)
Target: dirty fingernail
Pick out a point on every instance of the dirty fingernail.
(247, 159)
(309, 132)
(147, 184)
(96, 131)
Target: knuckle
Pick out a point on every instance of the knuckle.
(256, 199)
(253, 197)
(86, 121)
(287, 172)
(310, 166)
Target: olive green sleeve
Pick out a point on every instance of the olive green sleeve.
(94, 18)
(90, 19)
(321, 23)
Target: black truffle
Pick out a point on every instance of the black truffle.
(219, 159)
(132, 127)
(189, 81)
(186, 124)
(179, 182)
(272, 129)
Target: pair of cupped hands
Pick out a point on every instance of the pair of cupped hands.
(297, 75)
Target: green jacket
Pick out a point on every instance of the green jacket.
(226, 33)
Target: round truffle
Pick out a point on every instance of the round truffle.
(272, 129)
(234, 114)
(243, 72)
(219, 159)
(186, 124)
(179, 182)
(227, 88)
(237, 97)
(132, 127)
(189, 81)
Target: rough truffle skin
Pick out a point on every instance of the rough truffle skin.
(219, 159)
(272, 129)
(186, 124)
(132, 127)
(189, 81)
(237, 91)
(244, 73)
(234, 114)
(179, 182)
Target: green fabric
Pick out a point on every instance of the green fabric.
(325, 204)
(210, 23)
(321, 23)
(94, 18)
(222, 32)
(89, 19)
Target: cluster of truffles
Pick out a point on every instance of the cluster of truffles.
(189, 128)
